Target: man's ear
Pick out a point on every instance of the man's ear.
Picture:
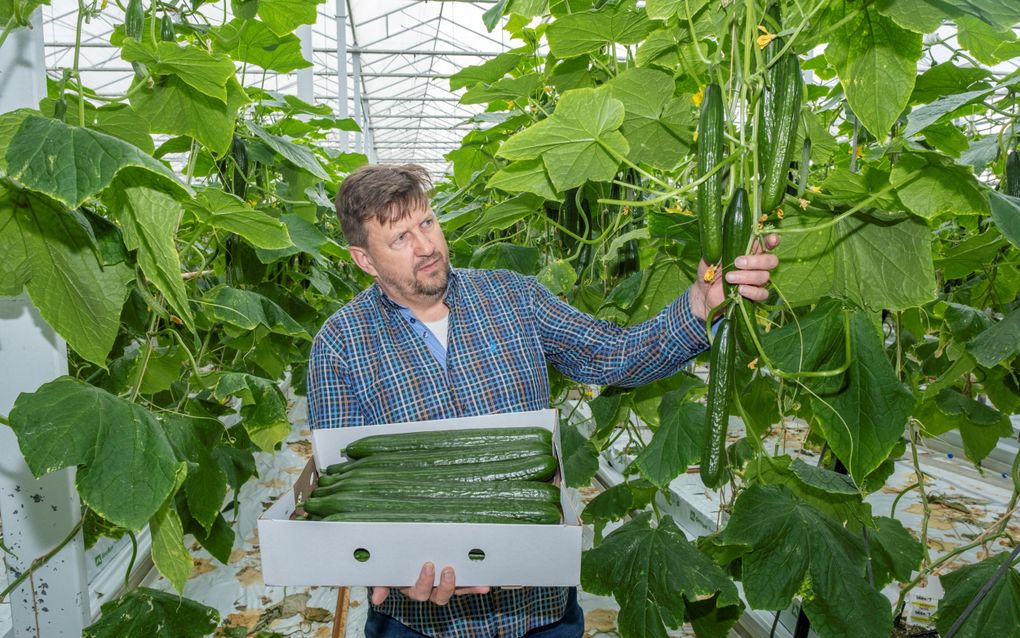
(362, 259)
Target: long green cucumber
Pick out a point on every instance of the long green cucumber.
(510, 509)
(778, 114)
(535, 468)
(543, 516)
(445, 439)
(737, 225)
(1013, 174)
(445, 457)
(717, 411)
(710, 153)
(393, 488)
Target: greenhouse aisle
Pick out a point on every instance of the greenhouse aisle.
(247, 606)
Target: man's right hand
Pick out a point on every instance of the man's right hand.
(424, 590)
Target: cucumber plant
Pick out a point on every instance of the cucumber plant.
(832, 124)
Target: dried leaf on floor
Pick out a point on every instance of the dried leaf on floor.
(603, 620)
(249, 576)
(202, 566)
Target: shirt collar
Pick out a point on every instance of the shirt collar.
(449, 299)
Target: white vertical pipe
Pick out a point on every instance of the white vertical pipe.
(359, 107)
(341, 67)
(306, 77)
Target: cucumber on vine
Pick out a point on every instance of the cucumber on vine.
(717, 413)
(710, 154)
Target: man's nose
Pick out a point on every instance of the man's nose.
(424, 244)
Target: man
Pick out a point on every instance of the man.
(430, 342)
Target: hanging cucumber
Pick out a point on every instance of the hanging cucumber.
(166, 29)
(1013, 174)
(134, 19)
(778, 113)
(710, 153)
(717, 413)
(737, 225)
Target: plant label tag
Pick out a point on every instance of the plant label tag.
(922, 601)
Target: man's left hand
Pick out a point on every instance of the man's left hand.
(751, 275)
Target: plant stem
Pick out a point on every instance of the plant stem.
(926, 506)
(4, 420)
(77, 57)
(131, 564)
(42, 560)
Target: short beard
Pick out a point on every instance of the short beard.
(433, 289)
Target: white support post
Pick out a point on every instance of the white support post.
(359, 108)
(36, 514)
(341, 68)
(306, 77)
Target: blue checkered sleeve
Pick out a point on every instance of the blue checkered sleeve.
(331, 399)
(594, 351)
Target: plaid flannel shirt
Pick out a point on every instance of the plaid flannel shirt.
(368, 365)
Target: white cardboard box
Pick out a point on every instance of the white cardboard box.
(302, 553)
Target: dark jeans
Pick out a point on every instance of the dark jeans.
(571, 625)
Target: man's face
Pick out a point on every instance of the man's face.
(409, 258)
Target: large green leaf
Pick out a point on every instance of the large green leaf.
(169, 554)
(155, 614)
(263, 406)
(618, 501)
(173, 107)
(806, 342)
(505, 214)
(149, 220)
(522, 259)
(487, 72)
(205, 72)
(306, 238)
(221, 210)
(246, 310)
(70, 163)
(654, 573)
(296, 154)
(206, 485)
(283, 16)
(657, 126)
(866, 417)
(49, 252)
(255, 43)
(118, 120)
(677, 442)
(997, 612)
(930, 186)
(997, 343)
(990, 45)
(580, 458)
(876, 61)
(980, 425)
(509, 89)
(578, 143)
(525, 176)
(947, 79)
(665, 282)
(924, 116)
(126, 467)
(588, 31)
(874, 263)
(790, 546)
(895, 553)
(1006, 215)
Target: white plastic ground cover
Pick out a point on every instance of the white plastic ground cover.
(301, 552)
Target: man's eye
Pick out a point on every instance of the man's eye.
(428, 223)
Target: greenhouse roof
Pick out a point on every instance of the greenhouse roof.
(399, 56)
